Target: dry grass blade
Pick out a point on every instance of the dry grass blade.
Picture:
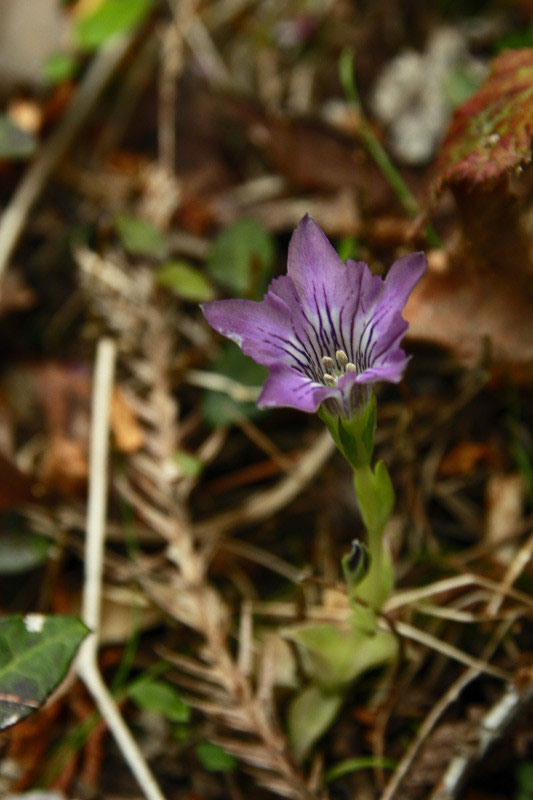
(440, 646)
(34, 181)
(218, 684)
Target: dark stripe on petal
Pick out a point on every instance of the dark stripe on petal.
(347, 350)
(332, 327)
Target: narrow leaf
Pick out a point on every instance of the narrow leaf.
(161, 698)
(141, 238)
(185, 281)
(215, 758)
(355, 764)
(109, 18)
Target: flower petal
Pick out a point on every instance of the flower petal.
(312, 258)
(391, 370)
(402, 278)
(286, 387)
(262, 330)
(383, 326)
(333, 296)
(321, 306)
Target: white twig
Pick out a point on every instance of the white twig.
(494, 726)
(14, 217)
(87, 664)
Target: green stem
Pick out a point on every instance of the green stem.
(375, 498)
(376, 150)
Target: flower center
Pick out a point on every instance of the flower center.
(334, 368)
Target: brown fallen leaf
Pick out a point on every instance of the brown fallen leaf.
(465, 457)
(127, 432)
(504, 515)
(15, 486)
(468, 311)
(15, 295)
(64, 466)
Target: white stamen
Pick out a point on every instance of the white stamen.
(342, 358)
(329, 379)
(351, 367)
(328, 363)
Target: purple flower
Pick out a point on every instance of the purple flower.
(326, 330)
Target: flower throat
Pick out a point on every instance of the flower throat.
(334, 368)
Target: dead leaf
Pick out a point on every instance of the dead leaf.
(505, 499)
(64, 466)
(15, 295)
(466, 311)
(465, 457)
(128, 433)
(15, 486)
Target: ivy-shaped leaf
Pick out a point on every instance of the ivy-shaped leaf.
(241, 257)
(35, 654)
(491, 133)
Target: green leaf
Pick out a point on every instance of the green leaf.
(59, 67)
(241, 257)
(460, 84)
(515, 39)
(524, 780)
(160, 697)
(15, 143)
(185, 281)
(348, 247)
(355, 764)
(334, 656)
(21, 550)
(141, 238)
(310, 715)
(220, 409)
(109, 18)
(215, 758)
(189, 466)
(35, 654)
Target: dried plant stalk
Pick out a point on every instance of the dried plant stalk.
(218, 684)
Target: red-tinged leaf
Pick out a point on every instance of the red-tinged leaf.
(491, 133)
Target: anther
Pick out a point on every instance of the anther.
(328, 363)
(351, 367)
(329, 379)
(342, 358)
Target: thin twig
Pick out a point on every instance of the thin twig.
(87, 665)
(14, 217)
(494, 725)
(265, 503)
(440, 646)
(502, 715)
(437, 711)
(515, 569)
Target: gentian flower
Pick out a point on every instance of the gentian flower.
(327, 330)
